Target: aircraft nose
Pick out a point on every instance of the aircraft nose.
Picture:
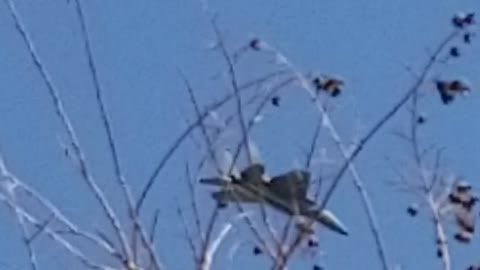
(329, 220)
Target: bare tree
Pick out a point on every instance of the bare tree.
(273, 214)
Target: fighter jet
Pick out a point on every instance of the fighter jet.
(286, 193)
(247, 187)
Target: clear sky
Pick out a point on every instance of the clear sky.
(140, 45)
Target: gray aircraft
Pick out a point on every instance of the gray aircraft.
(286, 193)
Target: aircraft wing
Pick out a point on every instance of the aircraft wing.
(291, 185)
(231, 195)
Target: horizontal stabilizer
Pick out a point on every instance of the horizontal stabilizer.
(225, 196)
(214, 181)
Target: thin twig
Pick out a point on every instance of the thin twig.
(153, 228)
(188, 235)
(202, 260)
(105, 121)
(40, 230)
(313, 145)
(235, 88)
(193, 202)
(203, 129)
(251, 122)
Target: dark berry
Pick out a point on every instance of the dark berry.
(454, 52)
(276, 101)
(412, 210)
(257, 250)
(421, 119)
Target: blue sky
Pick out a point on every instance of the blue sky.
(138, 47)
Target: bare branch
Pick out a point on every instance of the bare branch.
(55, 212)
(188, 235)
(67, 125)
(54, 236)
(392, 112)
